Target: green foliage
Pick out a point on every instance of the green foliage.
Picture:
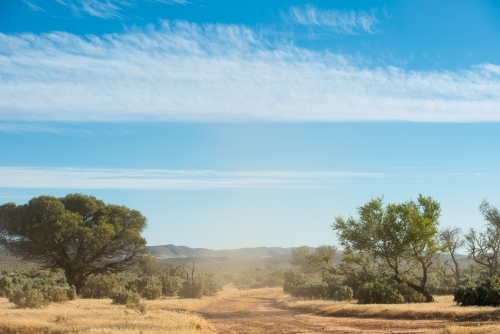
(255, 278)
(104, 286)
(191, 289)
(344, 293)
(484, 293)
(150, 287)
(398, 237)
(149, 265)
(35, 289)
(28, 297)
(79, 234)
(130, 299)
(385, 292)
(169, 285)
(300, 285)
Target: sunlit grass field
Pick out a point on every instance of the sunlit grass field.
(167, 315)
(442, 308)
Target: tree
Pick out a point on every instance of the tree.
(451, 240)
(319, 260)
(401, 238)
(484, 247)
(78, 233)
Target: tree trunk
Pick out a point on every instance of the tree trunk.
(420, 289)
(76, 279)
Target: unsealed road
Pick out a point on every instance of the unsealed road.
(260, 314)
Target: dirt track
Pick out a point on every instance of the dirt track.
(260, 314)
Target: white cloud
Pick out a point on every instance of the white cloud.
(340, 21)
(99, 8)
(184, 72)
(81, 178)
(32, 6)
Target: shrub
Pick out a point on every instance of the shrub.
(344, 293)
(191, 289)
(150, 288)
(71, 292)
(293, 279)
(130, 299)
(102, 286)
(169, 285)
(484, 293)
(255, 278)
(56, 294)
(28, 297)
(124, 297)
(6, 286)
(385, 292)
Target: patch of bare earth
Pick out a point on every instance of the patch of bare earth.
(262, 314)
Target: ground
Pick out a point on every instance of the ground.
(262, 314)
(245, 312)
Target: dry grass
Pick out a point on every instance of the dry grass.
(475, 329)
(100, 316)
(168, 315)
(442, 308)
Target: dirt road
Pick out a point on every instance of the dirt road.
(260, 314)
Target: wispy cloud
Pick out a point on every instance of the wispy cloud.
(80, 178)
(187, 72)
(98, 8)
(32, 6)
(339, 21)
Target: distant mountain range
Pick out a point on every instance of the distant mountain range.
(257, 256)
(172, 251)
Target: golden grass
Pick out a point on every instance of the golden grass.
(167, 315)
(442, 308)
(100, 316)
(475, 329)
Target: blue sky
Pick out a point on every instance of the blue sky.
(251, 123)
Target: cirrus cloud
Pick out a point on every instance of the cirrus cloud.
(186, 72)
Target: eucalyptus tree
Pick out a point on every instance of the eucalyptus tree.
(79, 234)
(402, 239)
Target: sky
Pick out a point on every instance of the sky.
(235, 124)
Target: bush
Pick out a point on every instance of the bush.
(169, 285)
(125, 297)
(384, 292)
(256, 278)
(344, 293)
(191, 289)
(484, 293)
(56, 294)
(101, 286)
(298, 285)
(292, 279)
(6, 286)
(28, 297)
(71, 293)
(130, 300)
(150, 287)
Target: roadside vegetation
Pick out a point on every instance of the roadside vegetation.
(90, 271)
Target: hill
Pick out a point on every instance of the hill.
(172, 251)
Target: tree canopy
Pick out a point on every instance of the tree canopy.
(77, 233)
(402, 238)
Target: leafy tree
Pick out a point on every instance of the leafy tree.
(319, 260)
(78, 233)
(401, 238)
(484, 247)
(149, 265)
